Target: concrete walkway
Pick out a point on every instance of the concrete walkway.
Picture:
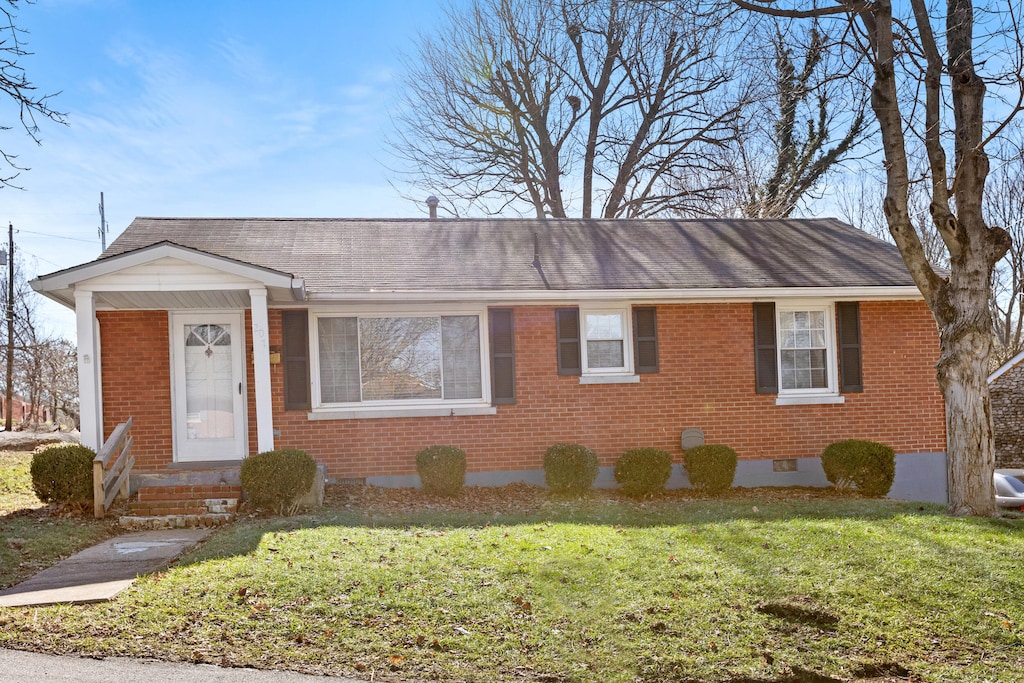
(29, 667)
(101, 572)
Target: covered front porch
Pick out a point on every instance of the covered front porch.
(216, 353)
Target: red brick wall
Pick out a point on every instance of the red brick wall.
(706, 380)
(135, 358)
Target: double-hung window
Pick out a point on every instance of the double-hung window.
(398, 360)
(605, 350)
(597, 343)
(805, 355)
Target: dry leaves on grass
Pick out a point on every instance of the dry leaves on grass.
(526, 499)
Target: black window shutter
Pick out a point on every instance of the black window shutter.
(766, 368)
(851, 378)
(295, 349)
(503, 361)
(567, 329)
(645, 339)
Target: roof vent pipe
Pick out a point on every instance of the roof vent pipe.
(432, 202)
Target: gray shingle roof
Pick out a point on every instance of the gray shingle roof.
(358, 255)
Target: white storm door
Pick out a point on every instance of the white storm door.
(209, 387)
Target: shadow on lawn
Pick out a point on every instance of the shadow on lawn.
(412, 508)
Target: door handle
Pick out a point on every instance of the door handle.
(239, 388)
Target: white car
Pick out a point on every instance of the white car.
(1009, 491)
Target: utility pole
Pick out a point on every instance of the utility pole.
(9, 418)
(103, 226)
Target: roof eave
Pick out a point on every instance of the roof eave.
(890, 292)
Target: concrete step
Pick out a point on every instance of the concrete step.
(183, 507)
(189, 492)
(182, 521)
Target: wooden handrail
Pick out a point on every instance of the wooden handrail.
(110, 480)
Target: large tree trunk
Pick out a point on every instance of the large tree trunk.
(965, 341)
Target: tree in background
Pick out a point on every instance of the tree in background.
(550, 107)
(45, 366)
(19, 90)
(803, 116)
(1004, 205)
(927, 94)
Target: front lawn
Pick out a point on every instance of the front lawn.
(32, 535)
(755, 587)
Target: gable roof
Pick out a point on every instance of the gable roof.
(1006, 367)
(424, 255)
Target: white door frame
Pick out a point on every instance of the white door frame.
(186, 450)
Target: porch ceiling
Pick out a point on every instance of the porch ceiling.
(211, 299)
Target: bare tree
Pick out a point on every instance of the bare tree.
(927, 92)
(15, 84)
(801, 110)
(1004, 205)
(556, 106)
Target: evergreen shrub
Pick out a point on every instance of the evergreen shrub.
(710, 467)
(442, 469)
(867, 466)
(276, 479)
(642, 471)
(62, 474)
(569, 469)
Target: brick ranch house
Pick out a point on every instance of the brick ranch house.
(364, 341)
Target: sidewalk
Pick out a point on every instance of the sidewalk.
(102, 571)
(29, 667)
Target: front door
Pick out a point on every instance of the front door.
(209, 387)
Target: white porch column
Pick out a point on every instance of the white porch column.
(261, 370)
(89, 379)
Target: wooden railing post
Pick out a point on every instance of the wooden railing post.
(98, 493)
(106, 486)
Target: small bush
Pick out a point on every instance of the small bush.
(63, 474)
(569, 468)
(277, 479)
(868, 466)
(442, 469)
(642, 471)
(710, 467)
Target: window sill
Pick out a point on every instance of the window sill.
(609, 379)
(418, 411)
(809, 399)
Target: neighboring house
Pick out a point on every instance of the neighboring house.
(363, 341)
(23, 411)
(1006, 389)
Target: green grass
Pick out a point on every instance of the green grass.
(664, 591)
(33, 536)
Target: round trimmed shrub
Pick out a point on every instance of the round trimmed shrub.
(63, 474)
(642, 471)
(569, 468)
(867, 466)
(276, 479)
(710, 467)
(442, 469)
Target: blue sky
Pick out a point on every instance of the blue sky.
(205, 108)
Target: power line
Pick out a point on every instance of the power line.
(60, 237)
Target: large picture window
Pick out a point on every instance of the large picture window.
(400, 358)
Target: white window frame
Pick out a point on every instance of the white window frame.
(406, 407)
(824, 395)
(624, 374)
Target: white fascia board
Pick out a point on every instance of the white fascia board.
(1005, 367)
(69, 278)
(675, 295)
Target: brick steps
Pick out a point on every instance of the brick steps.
(175, 507)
